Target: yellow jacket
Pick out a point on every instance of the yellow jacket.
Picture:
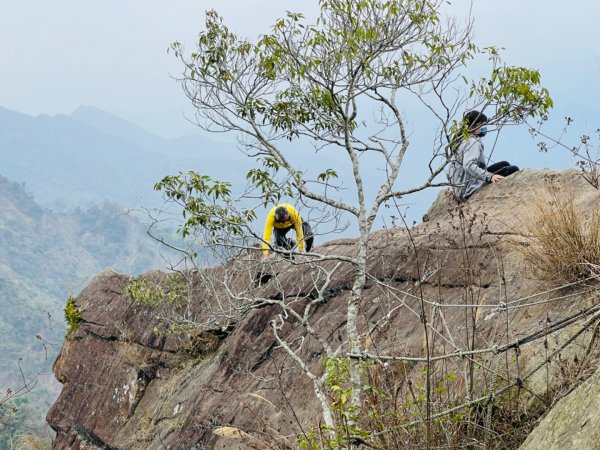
(295, 221)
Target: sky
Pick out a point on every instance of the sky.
(112, 54)
(58, 54)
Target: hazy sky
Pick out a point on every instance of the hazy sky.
(58, 54)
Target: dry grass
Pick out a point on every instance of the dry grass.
(31, 442)
(564, 247)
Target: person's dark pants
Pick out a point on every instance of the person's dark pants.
(503, 168)
(284, 242)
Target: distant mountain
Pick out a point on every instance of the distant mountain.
(67, 161)
(112, 125)
(190, 147)
(50, 255)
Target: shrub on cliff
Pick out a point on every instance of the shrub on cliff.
(72, 316)
(564, 247)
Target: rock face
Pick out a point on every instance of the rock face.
(233, 386)
(572, 423)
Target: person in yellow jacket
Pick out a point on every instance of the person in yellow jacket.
(282, 218)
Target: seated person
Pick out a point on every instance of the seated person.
(467, 169)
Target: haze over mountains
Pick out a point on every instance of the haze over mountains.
(66, 161)
(91, 155)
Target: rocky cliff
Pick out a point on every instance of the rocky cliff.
(493, 335)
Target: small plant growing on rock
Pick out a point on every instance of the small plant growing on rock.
(73, 316)
(168, 297)
(152, 294)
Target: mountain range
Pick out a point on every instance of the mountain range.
(67, 161)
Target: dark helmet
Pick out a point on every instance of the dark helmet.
(474, 119)
(281, 214)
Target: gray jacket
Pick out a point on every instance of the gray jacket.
(466, 170)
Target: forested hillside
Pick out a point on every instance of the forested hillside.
(46, 257)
